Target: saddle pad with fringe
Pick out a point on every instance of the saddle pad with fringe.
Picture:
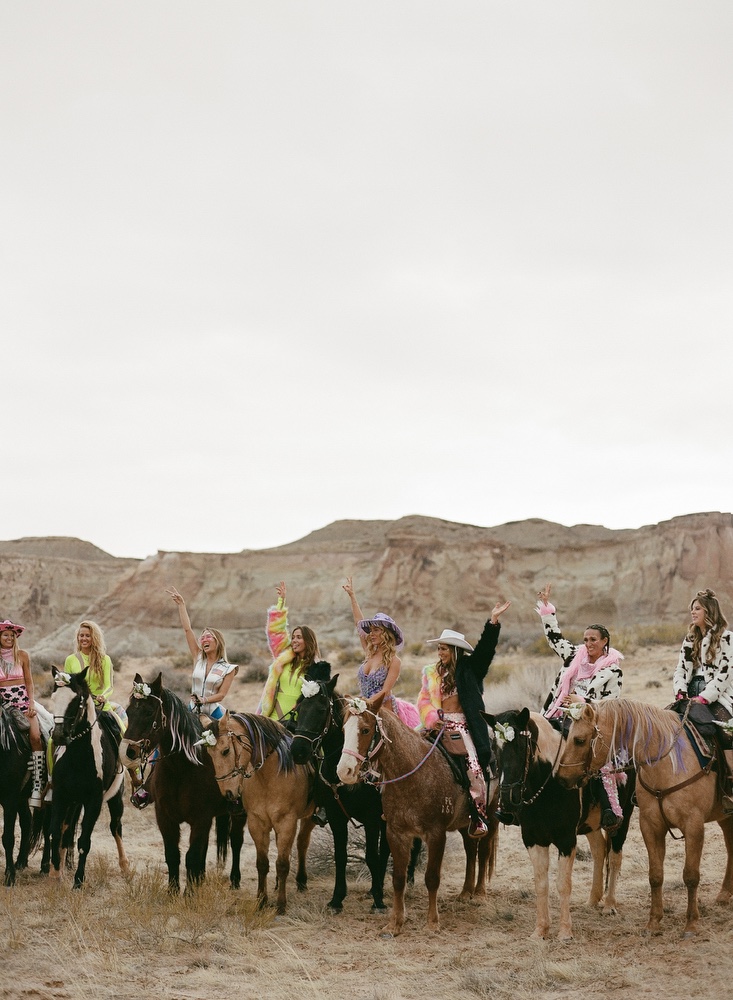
(456, 761)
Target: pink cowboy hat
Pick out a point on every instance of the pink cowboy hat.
(8, 626)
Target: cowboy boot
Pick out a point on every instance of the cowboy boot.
(39, 783)
(477, 828)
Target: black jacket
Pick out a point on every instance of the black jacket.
(471, 669)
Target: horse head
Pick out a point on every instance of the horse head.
(73, 705)
(230, 753)
(314, 718)
(146, 721)
(516, 740)
(362, 732)
(583, 753)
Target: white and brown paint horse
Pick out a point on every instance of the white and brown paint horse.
(673, 789)
(420, 798)
(550, 814)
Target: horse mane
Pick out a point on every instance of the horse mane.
(642, 732)
(548, 738)
(185, 727)
(11, 735)
(266, 736)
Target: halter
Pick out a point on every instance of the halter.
(379, 738)
(520, 802)
(239, 743)
(316, 741)
(145, 745)
(80, 720)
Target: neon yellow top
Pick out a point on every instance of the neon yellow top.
(103, 690)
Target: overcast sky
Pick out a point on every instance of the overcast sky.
(269, 265)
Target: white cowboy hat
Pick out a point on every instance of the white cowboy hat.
(450, 638)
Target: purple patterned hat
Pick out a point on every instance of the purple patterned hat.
(384, 621)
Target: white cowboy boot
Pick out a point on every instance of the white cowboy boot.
(38, 768)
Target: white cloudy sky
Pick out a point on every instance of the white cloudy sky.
(267, 265)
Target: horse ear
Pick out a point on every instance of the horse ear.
(82, 675)
(138, 679)
(491, 719)
(375, 703)
(331, 685)
(224, 722)
(523, 718)
(54, 670)
(157, 685)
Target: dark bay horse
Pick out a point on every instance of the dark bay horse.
(550, 814)
(182, 782)
(674, 790)
(420, 798)
(319, 738)
(252, 761)
(15, 787)
(86, 775)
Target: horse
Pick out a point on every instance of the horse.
(251, 759)
(674, 789)
(86, 775)
(182, 782)
(420, 798)
(549, 813)
(319, 737)
(15, 788)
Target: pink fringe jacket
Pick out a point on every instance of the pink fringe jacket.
(278, 639)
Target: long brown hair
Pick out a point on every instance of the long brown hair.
(310, 653)
(715, 621)
(447, 673)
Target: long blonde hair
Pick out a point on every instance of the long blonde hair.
(97, 652)
(388, 646)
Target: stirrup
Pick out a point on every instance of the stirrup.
(477, 829)
(140, 798)
(727, 803)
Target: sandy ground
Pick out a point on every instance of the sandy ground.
(127, 936)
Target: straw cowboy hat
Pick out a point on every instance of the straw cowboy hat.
(450, 638)
(384, 621)
(8, 626)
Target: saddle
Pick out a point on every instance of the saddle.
(456, 758)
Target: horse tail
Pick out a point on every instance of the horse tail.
(493, 849)
(223, 825)
(38, 827)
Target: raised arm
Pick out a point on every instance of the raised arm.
(555, 639)
(278, 637)
(355, 609)
(483, 654)
(193, 646)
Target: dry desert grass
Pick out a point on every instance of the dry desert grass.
(123, 936)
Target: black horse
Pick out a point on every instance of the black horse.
(15, 787)
(319, 737)
(550, 814)
(182, 781)
(85, 775)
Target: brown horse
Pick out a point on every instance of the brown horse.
(673, 790)
(420, 798)
(252, 760)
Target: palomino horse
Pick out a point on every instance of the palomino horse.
(182, 781)
(551, 814)
(420, 798)
(86, 775)
(252, 760)
(319, 738)
(15, 787)
(673, 789)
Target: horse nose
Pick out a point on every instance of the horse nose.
(130, 752)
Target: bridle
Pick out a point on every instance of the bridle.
(366, 771)
(317, 740)
(80, 722)
(516, 789)
(145, 745)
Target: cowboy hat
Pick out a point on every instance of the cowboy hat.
(384, 621)
(8, 626)
(450, 638)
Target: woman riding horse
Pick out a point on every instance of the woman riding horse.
(451, 696)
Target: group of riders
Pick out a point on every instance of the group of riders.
(451, 695)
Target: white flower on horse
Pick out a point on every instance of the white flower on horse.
(207, 740)
(356, 706)
(62, 679)
(504, 734)
(726, 726)
(140, 690)
(575, 710)
(310, 688)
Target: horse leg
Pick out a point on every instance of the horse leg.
(24, 817)
(400, 847)
(9, 816)
(198, 845)
(540, 858)
(565, 864)
(597, 844)
(236, 839)
(259, 831)
(116, 808)
(436, 849)
(486, 854)
(302, 844)
(470, 846)
(655, 838)
(170, 831)
(372, 835)
(726, 889)
(91, 815)
(694, 839)
(284, 837)
(340, 833)
(414, 856)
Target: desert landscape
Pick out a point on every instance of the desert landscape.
(123, 935)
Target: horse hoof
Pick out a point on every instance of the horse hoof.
(335, 909)
(386, 935)
(378, 909)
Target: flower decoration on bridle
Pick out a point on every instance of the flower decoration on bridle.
(310, 689)
(62, 679)
(141, 690)
(357, 706)
(207, 740)
(574, 711)
(726, 726)
(504, 733)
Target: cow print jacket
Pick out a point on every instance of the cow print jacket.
(605, 683)
(718, 675)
